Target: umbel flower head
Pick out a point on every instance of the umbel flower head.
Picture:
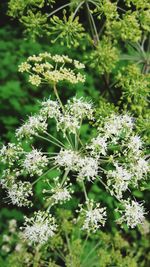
(34, 125)
(108, 158)
(59, 193)
(52, 69)
(39, 228)
(119, 179)
(133, 213)
(10, 153)
(19, 193)
(35, 162)
(94, 217)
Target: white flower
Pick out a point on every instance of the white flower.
(60, 195)
(8, 177)
(133, 213)
(79, 108)
(140, 168)
(66, 158)
(19, 193)
(94, 217)
(39, 228)
(115, 124)
(10, 153)
(98, 146)
(119, 179)
(34, 125)
(34, 58)
(35, 79)
(24, 66)
(78, 65)
(88, 168)
(135, 143)
(50, 109)
(68, 122)
(35, 162)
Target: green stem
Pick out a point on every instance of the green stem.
(36, 257)
(76, 141)
(76, 10)
(48, 140)
(56, 10)
(69, 142)
(90, 23)
(69, 247)
(85, 194)
(51, 136)
(91, 251)
(54, 167)
(65, 176)
(58, 98)
(93, 24)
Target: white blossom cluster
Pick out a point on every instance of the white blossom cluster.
(94, 217)
(50, 109)
(98, 146)
(133, 213)
(34, 125)
(35, 162)
(59, 193)
(80, 109)
(19, 193)
(66, 158)
(119, 179)
(85, 167)
(113, 156)
(68, 122)
(53, 69)
(10, 153)
(116, 126)
(39, 228)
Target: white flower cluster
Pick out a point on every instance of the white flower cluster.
(34, 125)
(116, 125)
(66, 158)
(80, 109)
(94, 217)
(119, 179)
(135, 144)
(139, 168)
(46, 67)
(68, 122)
(8, 177)
(35, 162)
(86, 167)
(19, 193)
(50, 109)
(133, 213)
(39, 228)
(114, 156)
(98, 146)
(60, 195)
(10, 153)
